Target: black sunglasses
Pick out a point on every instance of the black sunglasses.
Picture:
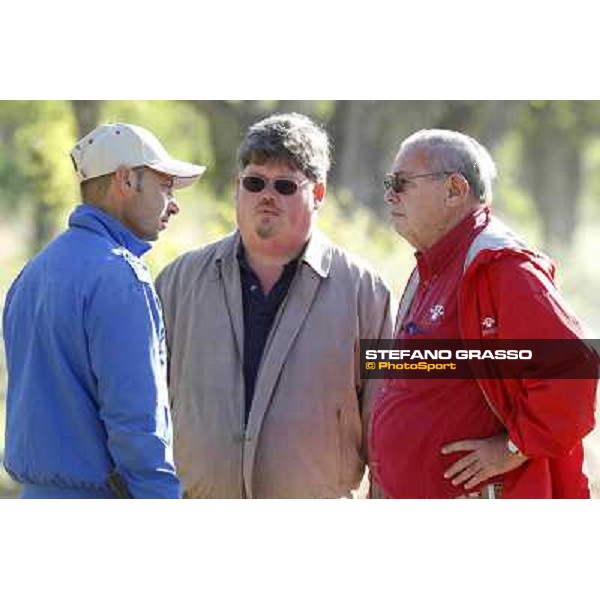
(394, 182)
(255, 184)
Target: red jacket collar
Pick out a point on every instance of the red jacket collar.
(456, 241)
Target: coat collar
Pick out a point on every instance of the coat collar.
(93, 219)
(318, 254)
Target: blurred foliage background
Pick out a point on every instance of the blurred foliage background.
(547, 152)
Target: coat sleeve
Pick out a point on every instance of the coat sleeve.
(164, 286)
(551, 408)
(126, 346)
(375, 321)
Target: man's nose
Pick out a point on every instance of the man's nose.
(390, 196)
(173, 207)
(268, 194)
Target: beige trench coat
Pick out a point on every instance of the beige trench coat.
(305, 436)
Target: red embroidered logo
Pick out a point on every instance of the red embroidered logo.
(436, 312)
(488, 325)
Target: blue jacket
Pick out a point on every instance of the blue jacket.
(86, 360)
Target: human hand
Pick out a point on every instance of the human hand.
(487, 458)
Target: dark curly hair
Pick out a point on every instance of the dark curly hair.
(291, 138)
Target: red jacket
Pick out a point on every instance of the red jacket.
(508, 292)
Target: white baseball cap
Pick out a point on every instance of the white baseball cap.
(105, 149)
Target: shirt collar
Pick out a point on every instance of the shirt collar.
(455, 241)
(96, 220)
(245, 265)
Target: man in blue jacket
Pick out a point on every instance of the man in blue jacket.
(87, 408)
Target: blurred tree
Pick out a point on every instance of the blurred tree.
(550, 138)
(13, 181)
(555, 134)
(227, 120)
(366, 136)
(36, 135)
(87, 115)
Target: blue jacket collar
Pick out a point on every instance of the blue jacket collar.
(96, 220)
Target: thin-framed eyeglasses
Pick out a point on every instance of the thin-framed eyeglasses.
(395, 182)
(282, 185)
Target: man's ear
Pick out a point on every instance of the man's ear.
(123, 181)
(457, 189)
(319, 190)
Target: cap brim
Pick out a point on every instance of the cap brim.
(185, 173)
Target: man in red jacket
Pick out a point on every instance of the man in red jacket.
(481, 437)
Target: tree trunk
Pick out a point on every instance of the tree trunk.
(552, 163)
(87, 114)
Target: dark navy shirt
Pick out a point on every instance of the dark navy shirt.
(259, 314)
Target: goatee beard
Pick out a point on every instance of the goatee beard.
(265, 230)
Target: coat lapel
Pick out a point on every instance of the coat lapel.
(229, 273)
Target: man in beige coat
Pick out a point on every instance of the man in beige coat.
(263, 330)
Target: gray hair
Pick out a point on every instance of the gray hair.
(291, 138)
(458, 153)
